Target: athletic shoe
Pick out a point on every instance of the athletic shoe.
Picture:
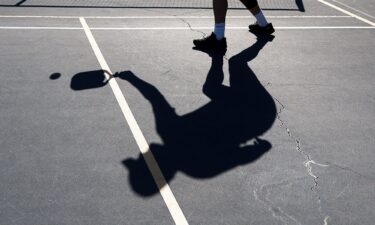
(210, 42)
(256, 29)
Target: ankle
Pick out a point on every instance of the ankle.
(219, 31)
(261, 19)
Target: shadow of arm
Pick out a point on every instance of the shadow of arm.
(165, 115)
(150, 92)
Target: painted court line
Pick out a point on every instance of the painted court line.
(366, 14)
(184, 28)
(167, 17)
(164, 189)
(227, 28)
(324, 28)
(41, 28)
(347, 12)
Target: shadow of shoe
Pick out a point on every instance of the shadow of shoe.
(211, 52)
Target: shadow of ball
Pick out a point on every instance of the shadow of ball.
(55, 76)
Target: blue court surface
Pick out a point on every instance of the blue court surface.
(109, 116)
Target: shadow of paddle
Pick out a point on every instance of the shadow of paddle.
(89, 80)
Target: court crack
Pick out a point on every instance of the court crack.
(190, 27)
(308, 162)
(308, 159)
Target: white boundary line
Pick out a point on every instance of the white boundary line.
(366, 14)
(165, 17)
(159, 179)
(183, 28)
(324, 28)
(41, 28)
(347, 12)
(227, 28)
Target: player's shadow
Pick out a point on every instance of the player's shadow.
(211, 139)
(215, 137)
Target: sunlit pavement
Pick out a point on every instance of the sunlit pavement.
(276, 131)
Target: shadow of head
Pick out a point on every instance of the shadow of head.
(143, 182)
(140, 177)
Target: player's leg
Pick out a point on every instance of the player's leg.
(217, 38)
(261, 26)
(220, 8)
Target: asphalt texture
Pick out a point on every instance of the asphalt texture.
(276, 131)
